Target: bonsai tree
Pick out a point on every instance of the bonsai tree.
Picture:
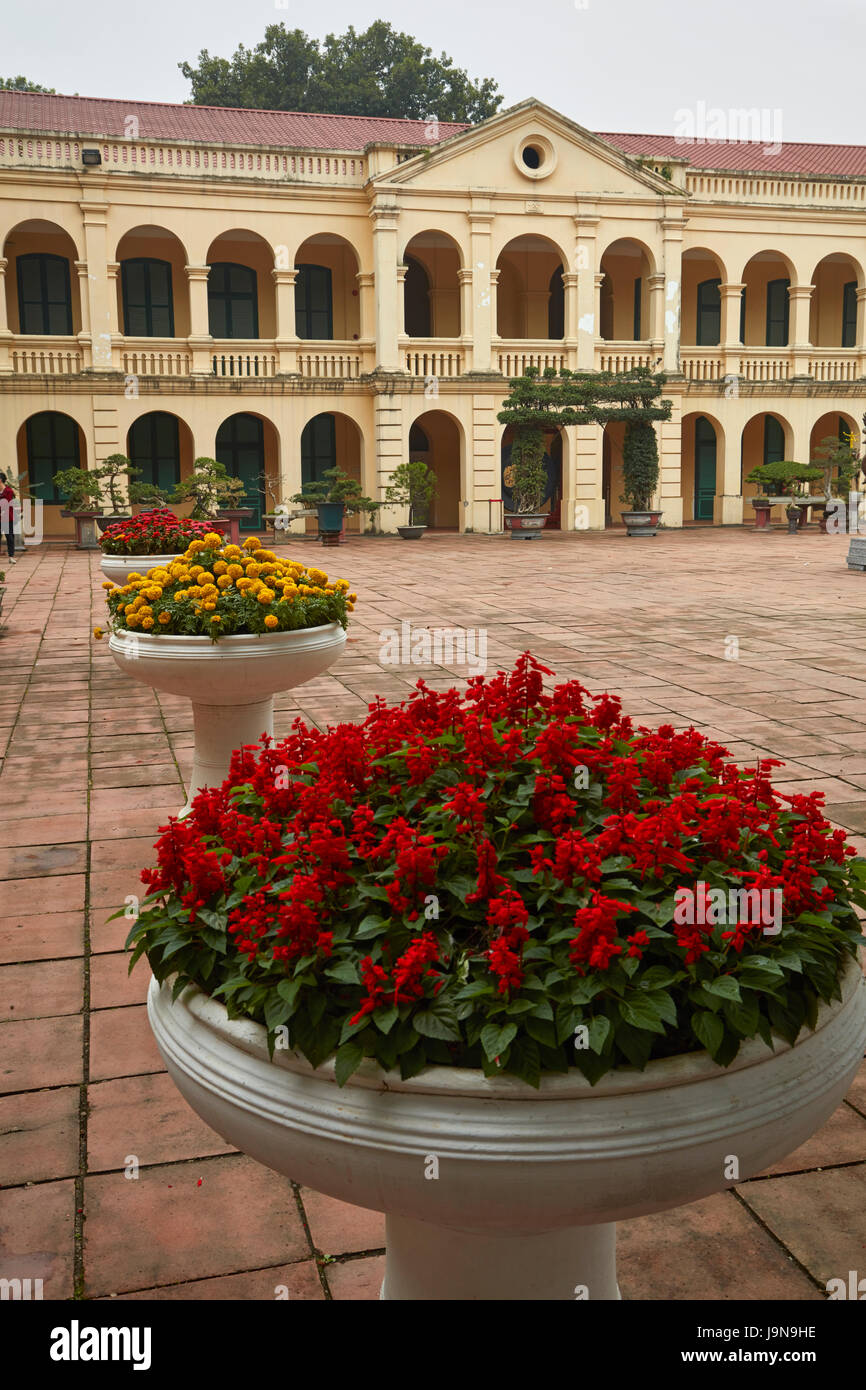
(786, 475)
(80, 489)
(335, 487)
(527, 476)
(412, 485)
(840, 464)
(210, 486)
(109, 473)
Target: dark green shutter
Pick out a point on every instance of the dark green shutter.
(778, 308)
(849, 314)
(232, 297)
(44, 295)
(709, 327)
(52, 444)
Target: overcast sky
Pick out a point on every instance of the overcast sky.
(617, 65)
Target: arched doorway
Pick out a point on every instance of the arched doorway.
(705, 470)
(327, 304)
(160, 446)
(431, 288)
(612, 443)
(530, 297)
(624, 301)
(330, 440)
(247, 446)
(47, 443)
(436, 439)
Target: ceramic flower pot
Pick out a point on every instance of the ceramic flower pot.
(642, 523)
(528, 524)
(411, 533)
(231, 683)
(494, 1190)
(118, 568)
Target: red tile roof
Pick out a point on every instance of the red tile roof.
(746, 156)
(99, 116)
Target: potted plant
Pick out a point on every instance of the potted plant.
(143, 541)
(226, 626)
(778, 485)
(478, 938)
(412, 485)
(840, 464)
(110, 472)
(640, 475)
(335, 495)
(82, 492)
(213, 492)
(526, 477)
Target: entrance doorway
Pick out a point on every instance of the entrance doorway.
(705, 469)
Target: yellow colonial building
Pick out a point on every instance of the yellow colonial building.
(285, 291)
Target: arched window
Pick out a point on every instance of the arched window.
(556, 306)
(709, 327)
(44, 296)
(240, 446)
(154, 447)
(148, 310)
(416, 300)
(778, 303)
(232, 301)
(418, 441)
(318, 448)
(849, 314)
(314, 303)
(52, 444)
(774, 440)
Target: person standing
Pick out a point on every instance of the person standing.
(7, 516)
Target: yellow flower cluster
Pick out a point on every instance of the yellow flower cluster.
(220, 589)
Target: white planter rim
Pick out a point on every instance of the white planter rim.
(681, 1070)
(186, 646)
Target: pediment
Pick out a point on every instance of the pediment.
(491, 156)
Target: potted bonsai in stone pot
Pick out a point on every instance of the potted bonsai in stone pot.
(427, 941)
(526, 477)
(840, 465)
(82, 492)
(143, 541)
(226, 626)
(213, 492)
(779, 485)
(640, 477)
(335, 495)
(412, 485)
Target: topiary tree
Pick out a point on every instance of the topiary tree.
(335, 486)
(412, 485)
(785, 474)
(640, 466)
(210, 486)
(528, 476)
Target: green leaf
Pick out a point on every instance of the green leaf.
(345, 972)
(439, 1021)
(542, 1030)
(708, 1029)
(599, 1031)
(288, 991)
(495, 1040)
(642, 1011)
(725, 987)
(385, 1019)
(371, 926)
(349, 1058)
(524, 1061)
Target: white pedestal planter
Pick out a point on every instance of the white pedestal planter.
(231, 683)
(118, 568)
(528, 1184)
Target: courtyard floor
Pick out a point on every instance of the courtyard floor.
(757, 640)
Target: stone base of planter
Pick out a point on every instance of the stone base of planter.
(427, 1262)
(219, 729)
(857, 553)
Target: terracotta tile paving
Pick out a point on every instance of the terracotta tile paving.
(757, 641)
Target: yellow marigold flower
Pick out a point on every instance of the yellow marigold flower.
(196, 570)
(232, 552)
(272, 621)
(98, 633)
(133, 574)
(164, 617)
(216, 618)
(343, 585)
(209, 605)
(147, 622)
(195, 546)
(132, 620)
(317, 576)
(159, 575)
(209, 590)
(266, 596)
(205, 577)
(353, 598)
(145, 611)
(224, 582)
(253, 570)
(253, 543)
(264, 555)
(212, 538)
(234, 571)
(194, 591)
(181, 595)
(219, 567)
(244, 585)
(350, 607)
(107, 584)
(154, 592)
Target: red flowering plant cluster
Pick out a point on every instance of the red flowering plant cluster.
(158, 532)
(507, 878)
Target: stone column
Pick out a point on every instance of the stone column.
(800, 300)
(672, 250)
(484, 277)
(464, 278)
(402, 271)
(656, 285)
(84, 301)
(5, 334)
(728, 510)
(732, 298)
(95, 214)
(286, 342)
(587, 326)
(389, 313)
(199, 340)
(366, 281)
(571, 291)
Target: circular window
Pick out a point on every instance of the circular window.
(535, 156)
